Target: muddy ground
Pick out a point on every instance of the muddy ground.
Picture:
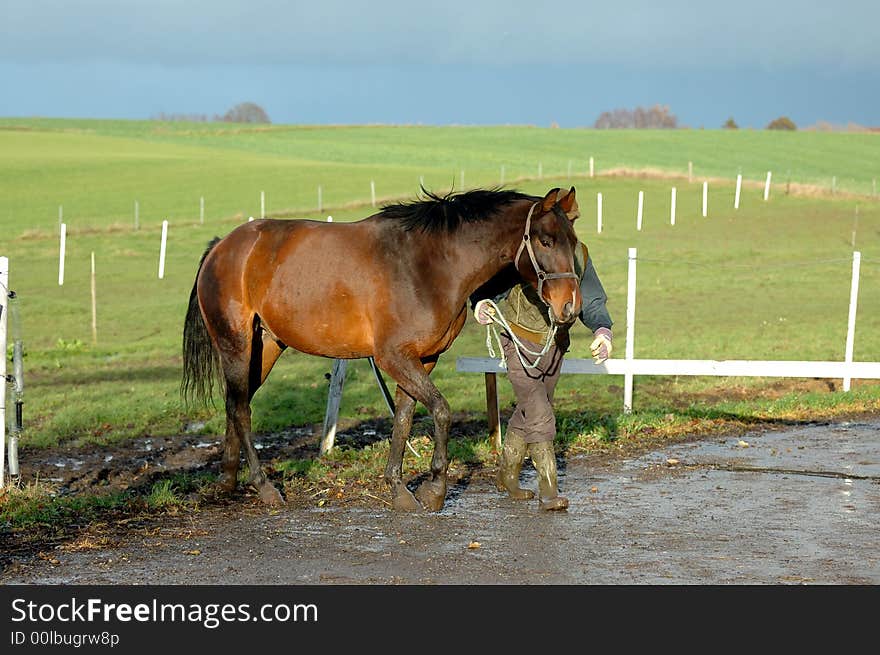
(788, 506)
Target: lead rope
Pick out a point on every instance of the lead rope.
(519, 346)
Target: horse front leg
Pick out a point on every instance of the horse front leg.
(401, 497)
(414, 376)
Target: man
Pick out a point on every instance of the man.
(532, 427)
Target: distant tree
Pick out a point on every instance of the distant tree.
(246, 112)
(781, 123)
(730, 124)
(657, 116)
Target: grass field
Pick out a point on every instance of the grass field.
(769, 281)
(97, 169)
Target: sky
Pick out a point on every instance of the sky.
(489, 62)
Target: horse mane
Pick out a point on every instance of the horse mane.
(435, 213)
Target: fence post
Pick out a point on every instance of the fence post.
(337, 380)
(630, 331)
(851, 323)
(63, 250)
(591, 167)
(672, 207)
(641, 210)
(4, 313)
(373, 192)
(739, 182)
(705, 199)
(599, 213)
(162, 250)
(767, 186)
(94, 304)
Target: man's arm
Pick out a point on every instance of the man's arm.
(594, 313)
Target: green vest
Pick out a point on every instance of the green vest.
(526, 312)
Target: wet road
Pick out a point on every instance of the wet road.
(795, 506)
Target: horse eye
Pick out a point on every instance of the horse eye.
(547, 243)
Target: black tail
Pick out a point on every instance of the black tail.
(201, 363)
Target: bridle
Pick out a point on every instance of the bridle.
(527, 244)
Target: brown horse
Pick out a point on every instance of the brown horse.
(393, 286)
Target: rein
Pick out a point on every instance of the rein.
(519, 346)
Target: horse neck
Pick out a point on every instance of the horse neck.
(488, 246)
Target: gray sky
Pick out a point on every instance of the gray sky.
(349, 61)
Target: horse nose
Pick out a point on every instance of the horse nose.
(567, 312)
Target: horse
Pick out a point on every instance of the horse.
(393, 286)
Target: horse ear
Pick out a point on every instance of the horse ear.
(550, 200)
(568, 204)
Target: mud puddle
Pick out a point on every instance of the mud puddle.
(797, 506)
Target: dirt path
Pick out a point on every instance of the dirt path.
(795, 506)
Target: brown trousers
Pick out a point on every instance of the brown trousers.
(533, 419)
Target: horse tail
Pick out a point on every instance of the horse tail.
(201, 362)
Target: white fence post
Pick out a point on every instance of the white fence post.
(4, 313)
(591, 167)
(767, 186)
(705, 199)
(641, 210)
(739, 182)
(672, 208)
(851, 323)
(373, 192)
(94, 304)
(599, 213)
(262, 204)
(63, 250)
(630, 331)
(162, 249)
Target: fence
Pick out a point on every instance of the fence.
(629, 366)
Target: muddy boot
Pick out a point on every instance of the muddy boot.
(544, 460)
(511, 464)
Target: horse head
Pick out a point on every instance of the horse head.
(550, 241)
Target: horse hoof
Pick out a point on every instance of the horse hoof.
(431, 495)
(270, 495)
(226, 484)
(404, 501)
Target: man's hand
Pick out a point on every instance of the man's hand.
(601, 346)
(484, 313)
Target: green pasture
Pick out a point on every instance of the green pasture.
(97, 170)
(768, 281)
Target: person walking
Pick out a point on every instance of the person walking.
(532, 426)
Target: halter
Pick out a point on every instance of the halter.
(542, 275)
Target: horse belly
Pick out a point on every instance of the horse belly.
(316, 301)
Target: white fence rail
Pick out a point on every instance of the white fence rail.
(629, 366)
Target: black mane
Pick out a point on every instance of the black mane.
(446, 213)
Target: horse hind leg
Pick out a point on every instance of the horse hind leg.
(244, 374)
(264, 353)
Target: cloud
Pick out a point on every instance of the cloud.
(494, 33)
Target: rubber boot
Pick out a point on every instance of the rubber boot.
(544, 460)
(512, 457)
